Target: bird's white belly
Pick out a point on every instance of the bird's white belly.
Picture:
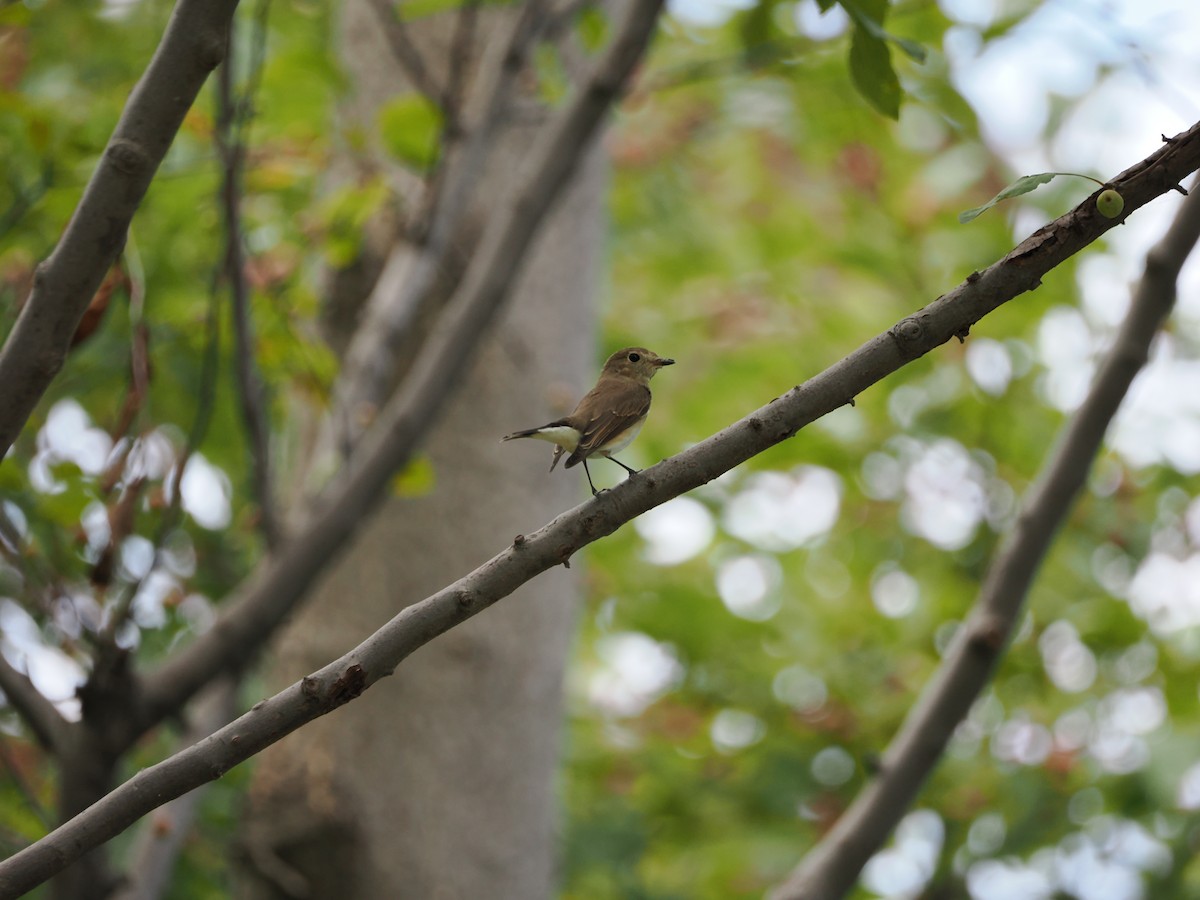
(624, 439)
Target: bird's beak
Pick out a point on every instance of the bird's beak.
(665, 362)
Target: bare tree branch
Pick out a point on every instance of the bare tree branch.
(832, 867)
(205, 403)
(405, 51)
(404, 294)
(346, 678)
(272, 591)
(232, 151)
(45, 722)
(192, 45)
(456, 79)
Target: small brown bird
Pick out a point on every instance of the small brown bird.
(609, 416)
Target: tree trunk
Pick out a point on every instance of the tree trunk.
(439, 782)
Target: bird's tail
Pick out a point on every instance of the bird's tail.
(528, 432)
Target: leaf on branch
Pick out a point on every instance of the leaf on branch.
(1022, 185)
(870, 20)
(592, 29)
(872, 72)
(409, 127)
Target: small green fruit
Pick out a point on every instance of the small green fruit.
(1110, 203)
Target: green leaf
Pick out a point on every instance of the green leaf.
(553, 82)
(871, 21)
(344, 215)
(416, 479)
(1022, 185)
(872, 72)
(592, 28)
(409, 126)
(756, 25)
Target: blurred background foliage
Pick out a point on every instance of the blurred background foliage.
(745, 652)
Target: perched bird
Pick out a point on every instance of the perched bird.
(608, 417)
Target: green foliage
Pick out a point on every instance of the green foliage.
(871, 66)
(343, 215)
(592, 28)
(870, 56)
(409, 126)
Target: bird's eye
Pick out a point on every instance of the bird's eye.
(634, 357)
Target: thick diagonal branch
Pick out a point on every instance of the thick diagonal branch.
(832, 868)
(192, 46)
(377, 657)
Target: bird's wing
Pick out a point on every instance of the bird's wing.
(601, 419)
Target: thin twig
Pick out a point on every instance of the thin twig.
(460, 62)
(201, 419)
(244, 116)
(249, 381)
(405, 51)
(832, 867)
(453, 128)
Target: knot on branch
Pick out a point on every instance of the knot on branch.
(310, 687)
(349, 685)
(128, 157)
(987, 635)
(210, 49)
(908, 334)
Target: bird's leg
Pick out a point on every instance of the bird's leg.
(595, 493)
(623, 466)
